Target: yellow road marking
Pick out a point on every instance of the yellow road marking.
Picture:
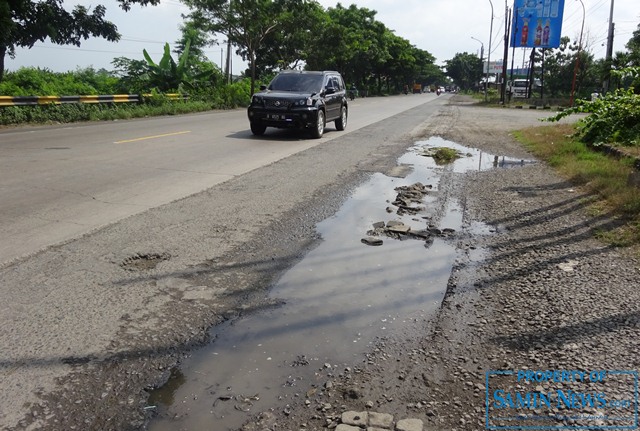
(152, 137)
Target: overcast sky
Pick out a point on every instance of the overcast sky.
(441, 27)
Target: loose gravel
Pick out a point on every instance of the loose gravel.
(538, 293)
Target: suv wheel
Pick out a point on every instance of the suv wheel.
(341, 123)
(319, 130)
(258, 129)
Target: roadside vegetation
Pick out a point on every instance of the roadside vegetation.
(599, 153)
(270, 35)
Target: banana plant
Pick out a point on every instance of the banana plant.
(167, 75)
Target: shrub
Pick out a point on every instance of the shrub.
(613, 118)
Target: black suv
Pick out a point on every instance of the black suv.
(303, 100)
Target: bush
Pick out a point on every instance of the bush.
(41, 82)
(613, 119)
(74, 112)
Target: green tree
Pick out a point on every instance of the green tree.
(300, 23)
(428, 71)
(634, 47)
(362, 36)
(25, 22)
(465, 69)
(198, 40)
(366, 52)
(133, 75)
(246, 23)
(559, 64)
(560, 69)
(401, 65)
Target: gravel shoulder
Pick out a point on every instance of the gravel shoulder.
(538, 293)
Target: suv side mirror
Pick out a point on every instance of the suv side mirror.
(263, 87)
(329, 89)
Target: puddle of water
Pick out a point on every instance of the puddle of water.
(472, 159)
(339, 299)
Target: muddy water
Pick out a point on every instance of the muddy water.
(338, 300)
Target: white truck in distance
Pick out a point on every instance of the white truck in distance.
(520, 87)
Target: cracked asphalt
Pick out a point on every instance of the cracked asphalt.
(89, 326)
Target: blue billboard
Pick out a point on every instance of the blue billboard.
(537, 23)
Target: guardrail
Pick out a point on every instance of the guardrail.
(59, 100)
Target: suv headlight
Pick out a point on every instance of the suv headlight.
(256, 100)
(305, 102)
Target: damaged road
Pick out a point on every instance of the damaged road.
(100, 322)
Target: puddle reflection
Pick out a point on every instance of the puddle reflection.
(338, 299)
(472, 159)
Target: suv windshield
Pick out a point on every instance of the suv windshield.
(299, 83)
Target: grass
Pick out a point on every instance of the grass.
(444, 155)
(441, 155)
(605, 177)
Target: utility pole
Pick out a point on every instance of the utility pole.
(609, 57)
(227, 68)
(575, 69)
(486, 84)
(507, 17)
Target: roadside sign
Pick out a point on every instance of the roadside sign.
(537, 23)
(494, 67)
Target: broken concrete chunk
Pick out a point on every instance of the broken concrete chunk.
(409, 425)
(401, 228)
(370, 240)
(380, 420)
(394, 223)
(359, 419)
(422, 234)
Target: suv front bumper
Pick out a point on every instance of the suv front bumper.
(301, 118)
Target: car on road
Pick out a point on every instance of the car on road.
(305, 100)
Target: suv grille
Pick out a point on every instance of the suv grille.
(277, 103)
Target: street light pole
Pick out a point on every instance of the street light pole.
(481, 56)
(481, 53)
(481, 47)
(575, 69)
(488, 55)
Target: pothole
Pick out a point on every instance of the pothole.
(464, 159)
(340, 298)
(144, 262)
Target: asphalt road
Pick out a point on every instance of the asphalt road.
(59, 182)
(126, 299)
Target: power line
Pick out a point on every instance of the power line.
(104, 51)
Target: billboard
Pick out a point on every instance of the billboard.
(537, 23)
(494, 67)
